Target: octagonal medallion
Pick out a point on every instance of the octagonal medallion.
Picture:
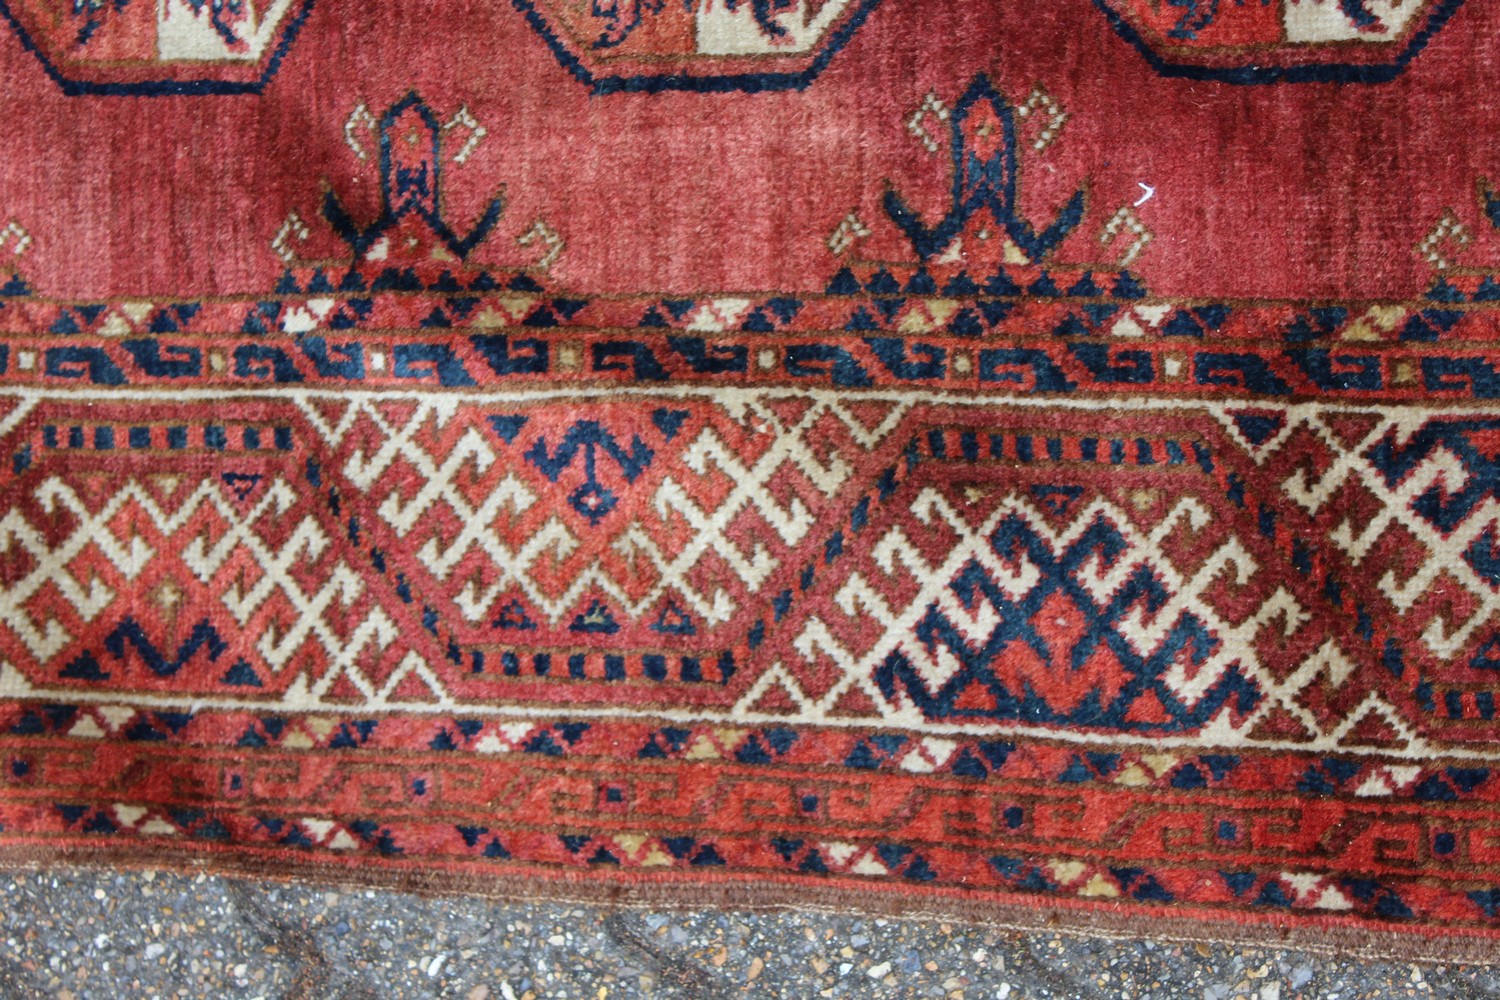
(148, 47)
(695, 45)
(1279, 41)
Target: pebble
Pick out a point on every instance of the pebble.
(204, 936)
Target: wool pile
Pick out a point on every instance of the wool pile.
(1031, 463)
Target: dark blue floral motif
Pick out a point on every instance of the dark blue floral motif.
(622, 17)
(593, 499)
(93, 13)
(224, 15)
(1198, 15)
(1015, 636)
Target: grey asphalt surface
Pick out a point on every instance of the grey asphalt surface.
(95, 934)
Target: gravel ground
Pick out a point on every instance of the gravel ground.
(78, 934)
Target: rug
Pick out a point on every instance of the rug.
(1027, 463)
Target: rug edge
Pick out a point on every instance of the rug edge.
(1371, 943)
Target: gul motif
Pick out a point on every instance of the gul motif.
(1034, 636)
(1278, 41)
(179, 47)
(714, 45)
(724, 27)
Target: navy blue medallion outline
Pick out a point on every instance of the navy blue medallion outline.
(74, 87)
(1252, 73)
(707, 83)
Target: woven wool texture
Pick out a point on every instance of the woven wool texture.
(1028, 462)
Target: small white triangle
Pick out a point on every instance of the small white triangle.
(137, 311)
(1374, 786)
(129, 815)
(839, 853)
(116, 716)
(12, 682)
(342, 842)
(319, 828)
(1403, 774)
(489, 743)
(515, 732)
(86, 729)
(1332, 899)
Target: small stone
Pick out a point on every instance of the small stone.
(879, 971)
(757, 966)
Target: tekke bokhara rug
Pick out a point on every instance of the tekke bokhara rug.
(1033, 462)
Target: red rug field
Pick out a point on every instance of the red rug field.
(1036, 463)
